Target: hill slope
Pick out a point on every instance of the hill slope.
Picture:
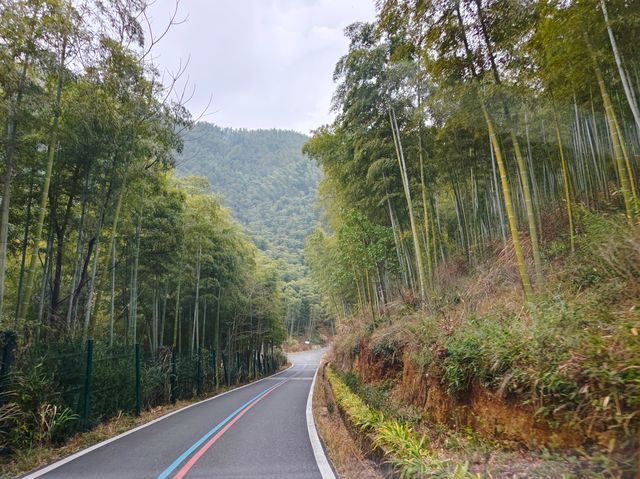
(266, 182)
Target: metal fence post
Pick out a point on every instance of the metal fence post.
(214, 369)
(174, 377)
(7, 353)
(225, 367)
(87, 386)
(138, 381)
(237, 375)
(199, 373)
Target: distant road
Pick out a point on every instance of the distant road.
(257, 431)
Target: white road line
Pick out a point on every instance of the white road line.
(55, 465)
(318, 451)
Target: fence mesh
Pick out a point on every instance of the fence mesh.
(95, 382)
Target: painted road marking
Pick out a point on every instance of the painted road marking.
(62, 462)
(182, 472)
(218, 430)
(321, 458)
(294, 379)
(169, 470)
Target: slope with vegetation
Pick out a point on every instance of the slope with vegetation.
(104, 253)
(265, 180)
(480, 184)
(270, 187)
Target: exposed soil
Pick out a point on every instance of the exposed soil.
(487, 413)
(495, 437)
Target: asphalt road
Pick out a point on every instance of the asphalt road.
(257, 431)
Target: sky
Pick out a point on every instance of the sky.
(262, 63)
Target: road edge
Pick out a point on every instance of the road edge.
(326, 471)
(46, 469)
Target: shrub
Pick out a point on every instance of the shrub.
(34, 414)
(401, 447)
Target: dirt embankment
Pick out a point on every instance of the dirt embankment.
(486, 412)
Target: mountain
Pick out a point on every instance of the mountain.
(266, 182)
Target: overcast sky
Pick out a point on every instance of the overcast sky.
(266, 63)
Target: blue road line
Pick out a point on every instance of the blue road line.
(167, 472)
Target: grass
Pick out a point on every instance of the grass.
(442, 452)
(29, 458)
(574, 353)
(345, 454)
(25, 460)
(571, 356)
(400, 445)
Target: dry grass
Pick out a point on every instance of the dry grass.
(515, 360)
(30, 459)
(295, 346)
(35, 458)
(343, 451)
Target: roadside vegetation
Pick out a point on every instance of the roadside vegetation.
(481, 243)
(122, 286)
(399, 444)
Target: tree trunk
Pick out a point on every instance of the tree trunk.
(10, 149)
(53, 144)
(513, 227)
(216, 332)
(78, 258)
(92, 282)
(628, 91)
(134, 283)
(112, 249)
(531, 219)
(164, 313)
(407, 192)
(425, 212)
(497, 191)
(176, 319)
(23, 256)
(112, 299)
(204, 321)
(195, 309)
(43, 286)
(567, 185)
(618, 155)
(515, 237)
(61, 230)
(522, 169)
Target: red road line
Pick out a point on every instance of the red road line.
(190, 463)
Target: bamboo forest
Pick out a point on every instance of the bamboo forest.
(461, 237)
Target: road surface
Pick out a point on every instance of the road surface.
(257, 431)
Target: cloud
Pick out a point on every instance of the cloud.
(267, 63)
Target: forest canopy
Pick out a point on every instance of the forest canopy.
(483, 223)
(461, 125)
(266, 182)
(271, 187)
(99, 238)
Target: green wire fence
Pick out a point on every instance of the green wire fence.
(97, 382)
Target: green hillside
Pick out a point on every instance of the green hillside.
(266, 182)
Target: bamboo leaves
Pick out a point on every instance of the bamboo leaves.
(429, 80)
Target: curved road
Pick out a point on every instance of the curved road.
(257, 431)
